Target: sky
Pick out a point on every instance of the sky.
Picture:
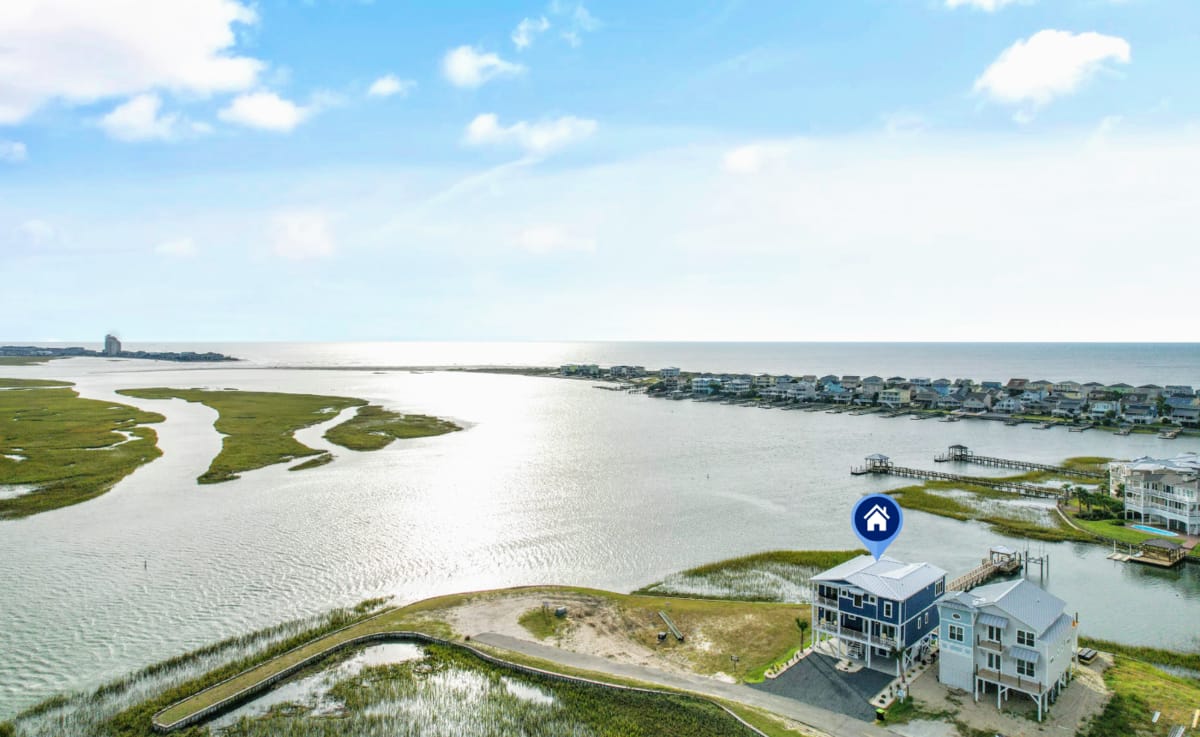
(327, 170)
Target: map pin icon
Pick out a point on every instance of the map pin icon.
(877, 520)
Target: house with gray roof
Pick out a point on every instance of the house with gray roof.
(881, 612)
(1006, 637)
(1164, 492)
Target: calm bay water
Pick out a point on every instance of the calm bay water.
(552, 482)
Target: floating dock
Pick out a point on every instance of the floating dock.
(963, 454)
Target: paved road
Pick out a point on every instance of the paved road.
(834, 724)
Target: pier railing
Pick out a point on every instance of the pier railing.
(1016, 487)
(964, 455)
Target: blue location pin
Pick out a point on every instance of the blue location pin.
(876, 520)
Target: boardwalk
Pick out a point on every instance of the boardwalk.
(963, 454)
(881, 464)
(1001, 560)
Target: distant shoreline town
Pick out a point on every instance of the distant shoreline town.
(1063, 401)
(112, 349)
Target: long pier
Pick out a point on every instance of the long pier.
(963, 454)
(881, 464)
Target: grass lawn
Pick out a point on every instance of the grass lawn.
(1139, 690)
(778, 575)
(260, 427)
(374, 427)
(542, 623)
(70, 449)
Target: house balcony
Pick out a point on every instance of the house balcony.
(994, 645)
(857, 636)
(1020, 683)
(826, 601)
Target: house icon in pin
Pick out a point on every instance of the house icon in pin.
(877, 519)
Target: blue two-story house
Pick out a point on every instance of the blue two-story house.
(879, 611)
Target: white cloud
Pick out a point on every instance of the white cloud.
(753, 158)
(537, 138)
(543, 239)
(390, 84)
(1049, 64)
(301, 234)
(467, 66)
(266, 111)
(522, 35)
(178, 247)
(576, 18)
(12, 152)
(38, 232)
(80, 51)
(989, 6)
(138, 119)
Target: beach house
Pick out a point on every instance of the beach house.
(1006, 637)
(1163, 492)
(881, 612)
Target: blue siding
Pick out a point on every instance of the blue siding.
(902, 611)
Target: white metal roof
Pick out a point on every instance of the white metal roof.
(1025, 602)
(886, 577)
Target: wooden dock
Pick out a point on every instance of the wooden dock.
(880, 464)
(1000, 561)
(1081, 428)
(963, 454)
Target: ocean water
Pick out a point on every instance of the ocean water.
(1108, 363)
(552, 481)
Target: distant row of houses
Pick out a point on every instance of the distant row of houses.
(1092, 401)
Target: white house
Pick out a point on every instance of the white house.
(1163, 492)
(1005, 637)
(670, 372)
(977, 402)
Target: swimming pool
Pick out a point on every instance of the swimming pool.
(1154, 530)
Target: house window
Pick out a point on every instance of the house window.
(887, 609)
(871, 600)
(926, 618)
(939, 587)
(857, 600)
(1025, 638)
(993, 660)
(993, 633)
(955, 632)
(1025, 668)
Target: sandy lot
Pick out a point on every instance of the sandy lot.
(595, 626)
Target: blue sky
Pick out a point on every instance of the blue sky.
(342, 170)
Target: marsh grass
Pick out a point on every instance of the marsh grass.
(259, 427)
(122, 707)
(71, 449)
(374, 427)
(449, 692)
(997, 509)
(778, 575)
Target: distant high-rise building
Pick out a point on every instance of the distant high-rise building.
(112, 346)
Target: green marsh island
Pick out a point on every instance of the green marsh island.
(259, 427)
(58, 449)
